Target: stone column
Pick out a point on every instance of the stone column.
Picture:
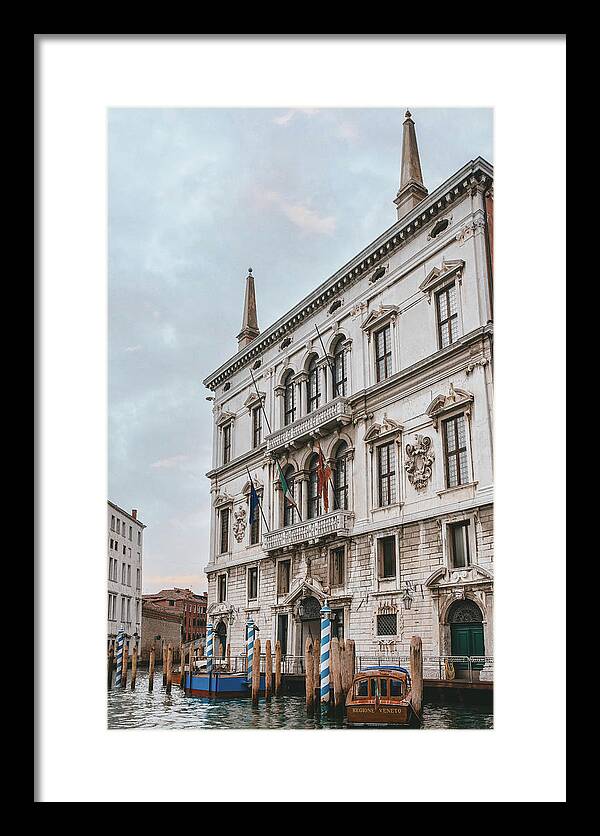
(329, 486)
(279, 418)
(301, 400)
(303, 503)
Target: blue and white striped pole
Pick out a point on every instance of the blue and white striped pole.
(249, 647)
(325, 650)
(120, 643)
(209, 647)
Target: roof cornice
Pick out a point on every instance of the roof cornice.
(476, 173)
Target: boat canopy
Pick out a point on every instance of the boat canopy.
(386, 668)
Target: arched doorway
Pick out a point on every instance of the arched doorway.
(309, 612)
(466, 631)
(220, 640)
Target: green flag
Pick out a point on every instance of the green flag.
(284, 486)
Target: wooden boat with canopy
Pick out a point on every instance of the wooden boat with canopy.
(381, 696)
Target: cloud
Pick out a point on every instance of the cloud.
(300, 214)
(285, 119)
(172, 461)
(133, 348)
(156, 582)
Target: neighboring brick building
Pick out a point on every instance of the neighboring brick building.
(189, 607)
(396, 390)
(159, 627)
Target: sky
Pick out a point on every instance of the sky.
(196, 196)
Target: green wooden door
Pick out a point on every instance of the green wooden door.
(467, 640)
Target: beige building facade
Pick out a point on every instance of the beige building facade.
(125, 545)
(387, 369)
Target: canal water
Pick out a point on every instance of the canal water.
(138, 709)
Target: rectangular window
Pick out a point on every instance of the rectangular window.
(139, 538)
(137, 579)
(124, 574)
(256, 426)
(282, 631)
(340, 378)
(386, 624)
(222, 588)
(283, 577)
(112, 523)
(455, 448)
(129, 576)
(386, 467)
(447, 315)
(337, 624)
(130, 532)
(383, 353)
(224, 516)
(118, 526)
(255, 529)
(387, 557)
(129, 609)
(253, 583)
(122, 609)
(458, 537)
(226, 443)
(336, 567)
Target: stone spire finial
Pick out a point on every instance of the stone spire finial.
(250, 328)
(411, 191)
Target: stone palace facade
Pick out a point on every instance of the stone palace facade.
(399, 397)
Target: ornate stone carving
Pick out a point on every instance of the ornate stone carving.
(239, 524)
(420, 457)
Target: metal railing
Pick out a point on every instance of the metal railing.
(440, 668)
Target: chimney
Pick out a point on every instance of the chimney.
(411, 191)
(134, 513)
(250, 328)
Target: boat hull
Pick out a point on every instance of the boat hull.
(220, 685)
(380, 715)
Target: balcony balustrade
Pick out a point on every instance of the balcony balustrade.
(336, 522)
(321, 421)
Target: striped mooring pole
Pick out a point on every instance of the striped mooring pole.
(209, 647)
(249, 647)
(120, 643)
(325, 651)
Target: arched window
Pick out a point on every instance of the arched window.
(289, 399)
(314, 501)
(289, 509)
(312, 386)
(339, 369)
(340, 477)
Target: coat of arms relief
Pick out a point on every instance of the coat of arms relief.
(419, 460)
(239, 524)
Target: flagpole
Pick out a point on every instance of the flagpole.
(262, 513)
(331, 368)
(260, 400)
(293, 498)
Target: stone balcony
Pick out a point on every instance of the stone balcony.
(319, 422)
(336, 522)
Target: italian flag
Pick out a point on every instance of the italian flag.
(284, 486)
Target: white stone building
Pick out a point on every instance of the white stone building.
(125, 544)
(400, 402)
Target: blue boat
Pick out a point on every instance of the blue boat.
(220, 684)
